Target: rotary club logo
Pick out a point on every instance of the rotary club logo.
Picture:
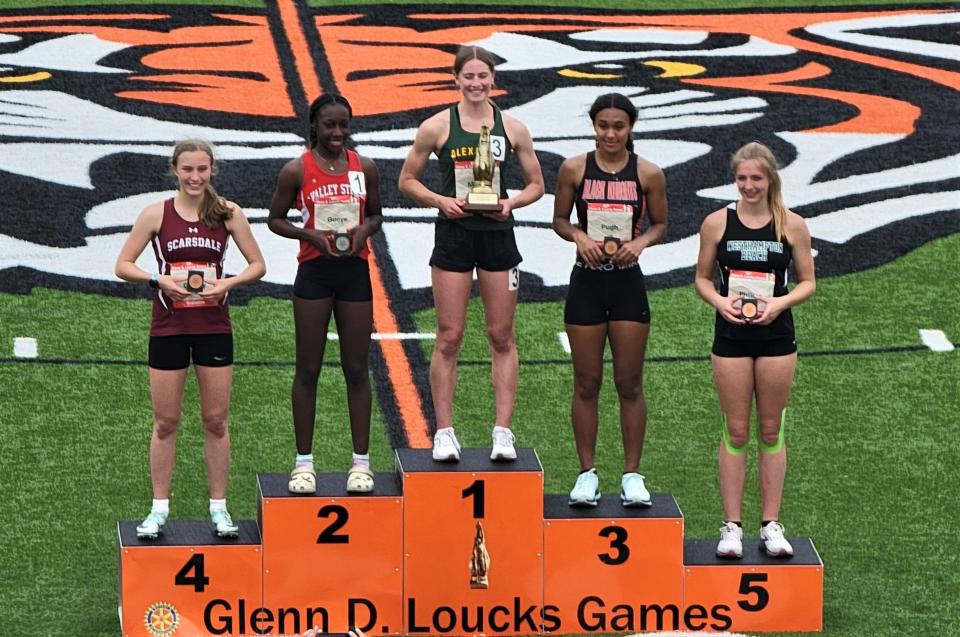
(161, 619)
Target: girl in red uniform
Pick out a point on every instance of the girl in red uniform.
(338, 195)
(189, 234)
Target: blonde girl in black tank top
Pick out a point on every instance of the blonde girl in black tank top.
(754, 354)
(464, 243)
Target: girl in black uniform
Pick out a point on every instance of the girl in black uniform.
(613, 190)
(754, 350)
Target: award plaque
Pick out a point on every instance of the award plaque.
(342, 243)
(194, 281)
(610, 246)
(481, 198)
(748, 308)
(479, 560)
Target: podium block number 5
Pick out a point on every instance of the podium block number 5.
(749, 586)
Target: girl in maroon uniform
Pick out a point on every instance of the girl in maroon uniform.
(189, 234)
(338, 195)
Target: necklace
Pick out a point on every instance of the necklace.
(331, 164)
(621, 163)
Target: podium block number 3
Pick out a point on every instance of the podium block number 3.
(619, 551)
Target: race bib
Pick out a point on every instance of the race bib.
(181, 269)
(358, 184)
(609, 220)
(498, 147)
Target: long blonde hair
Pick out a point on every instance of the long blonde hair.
(768, 164)
(214, 209)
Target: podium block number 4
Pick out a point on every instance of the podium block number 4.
(192, 574)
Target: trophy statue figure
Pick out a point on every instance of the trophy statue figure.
(479, 561)
(482, 197)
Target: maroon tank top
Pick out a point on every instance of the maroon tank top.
(182, 246)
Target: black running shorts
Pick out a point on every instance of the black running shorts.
(456, 249)
(346, 279)
(175, 352)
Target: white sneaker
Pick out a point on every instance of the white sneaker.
(223, 523)
(151, 526)
(774, 544)
(633, 493)
(446, 448)
(586, 491)
(731, 541)
(503, 440)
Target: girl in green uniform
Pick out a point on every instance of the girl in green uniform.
(464, 241)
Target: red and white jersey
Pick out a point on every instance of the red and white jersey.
(331, 202)
(181, 246)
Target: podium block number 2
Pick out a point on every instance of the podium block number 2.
(339, 515)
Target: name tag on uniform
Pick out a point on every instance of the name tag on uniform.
(609, 220)
(750, 283)
(184, 269)
(337, 216)
(463, 178)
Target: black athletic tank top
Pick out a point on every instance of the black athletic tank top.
(753, 250)
(609, 204)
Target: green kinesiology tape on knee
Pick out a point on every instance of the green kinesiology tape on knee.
(778, 445)
(725, 435)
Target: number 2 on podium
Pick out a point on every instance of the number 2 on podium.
(340, 516)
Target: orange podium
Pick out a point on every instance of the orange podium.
(755, 593)
(332, 559)
(190, 582)
(612, 569)
(473, 543)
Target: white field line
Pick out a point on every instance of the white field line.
(936, 340)
(564, 341)
(393, 336)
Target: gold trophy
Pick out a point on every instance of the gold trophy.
(479, 561)
(482, 197)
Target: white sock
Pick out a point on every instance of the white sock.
(218, 505)
(304, 460)
(161, 506)
(361, 460)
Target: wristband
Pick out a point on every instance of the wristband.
(154, 281)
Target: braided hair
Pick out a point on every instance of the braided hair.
(317, 105)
